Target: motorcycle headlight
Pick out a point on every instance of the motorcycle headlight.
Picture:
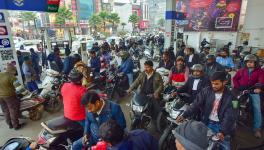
(137, 108)
(174, 113)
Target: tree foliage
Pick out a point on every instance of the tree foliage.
(28, 16)
(134, 20)
(95, 21)
(62, 15)
(161, 22)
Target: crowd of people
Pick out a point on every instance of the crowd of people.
(203, 76)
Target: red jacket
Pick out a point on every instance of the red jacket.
(243, 79)
(72, 95)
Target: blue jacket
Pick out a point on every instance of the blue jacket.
(226, 62)
(67, 65)
(111, 110)
(127, 66)
(95, 64)
(137, 140)
(58, 62)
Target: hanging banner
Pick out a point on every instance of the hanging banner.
(30, 5)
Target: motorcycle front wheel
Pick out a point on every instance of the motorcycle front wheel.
(167, 140)
(162, 121)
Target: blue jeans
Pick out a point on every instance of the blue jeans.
(255, 101)
(94, 136)
(130, 78)
(216, 127)
(32, 86)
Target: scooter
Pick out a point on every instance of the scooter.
(140, 114)
(51, 86)
(164, 74)
(20, 143)
(174, 109)
(57, 132)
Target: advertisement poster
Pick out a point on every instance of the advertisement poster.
(86, 9)
(209, 15)
(2, 17)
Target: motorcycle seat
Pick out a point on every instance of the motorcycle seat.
(60, 125)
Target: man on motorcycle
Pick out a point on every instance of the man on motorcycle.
(211, 66)
(203, 54)
(195, 83)
(166, 62)
(215, 104)
(190, 57)
(99, 111)
(191, 135)
(248, 77)
(127, 66)
(10, 105)
(117, 139)
(72, 93)
(55, 60)
(67, 63)
(95, 63)
(150, 83)
(178, 73)
(83, 68)
(224, 59)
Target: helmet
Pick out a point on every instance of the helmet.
(250, 57)
(76, 58)
(123, 54)
(75, 76)
(197, 67)
(180, 58)
(210, 56)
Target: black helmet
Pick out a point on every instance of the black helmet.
(75, 76)
(197, 67)
(251, 57)
(210, 56)
(76, 58)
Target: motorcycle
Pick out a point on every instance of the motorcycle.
(57, 132)
(116, 82)
(164, 74)
(140, 114)
(51, 86)
(20, 143)
(33, 104)
(173, 109)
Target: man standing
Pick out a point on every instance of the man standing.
(246, 78)
(35, 63)
(9, 103)
(30, 74)
(55, 60)
(99, 111)
(215, 104)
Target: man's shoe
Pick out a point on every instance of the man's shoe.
(257, 134)
(19, 126)
(10, 127)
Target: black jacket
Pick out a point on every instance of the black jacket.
(195, 60)
(204, 102)
(168, 66)
(187, 87)
(210, 70)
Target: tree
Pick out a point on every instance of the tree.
(161, 22)
(27, 17)
(133, 19)
(123, 24)
(104, 16)
(62, 15)
(95, 21)
(114, 19)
